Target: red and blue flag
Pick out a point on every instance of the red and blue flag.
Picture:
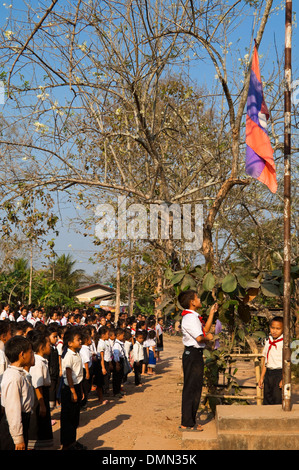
(259, 154)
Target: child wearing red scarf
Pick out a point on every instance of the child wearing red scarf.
(271, 376)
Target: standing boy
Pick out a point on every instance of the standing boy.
(118, 362)
(271, 376)
(17, 395)
(194, 339)
(138, 356)
(72, 392)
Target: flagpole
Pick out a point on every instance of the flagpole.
(286, 371)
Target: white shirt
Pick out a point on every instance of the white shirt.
(59, 347)
(86, 355)
(191, 328)
(33, 321)
(3, 315)
(21, 318)
(17, 396)
(40, 372)
(92, 347)
(138, 353)
(159, 330)
(73, 361)
(118, 350)
(274, 360)
(104, 346)
(3, 363)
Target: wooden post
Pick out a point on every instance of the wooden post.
(286, 391)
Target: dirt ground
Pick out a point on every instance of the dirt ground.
(146, 418)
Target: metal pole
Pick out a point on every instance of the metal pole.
(286, 391)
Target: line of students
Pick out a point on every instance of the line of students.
(52, 365)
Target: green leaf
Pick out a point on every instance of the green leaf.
(209, 282)
(242, 281)
(168, 273)
(229, 283)
(253, 284)
(188, 282)
(241, 334)
(270, 289)
(199, 272)
(177, 277)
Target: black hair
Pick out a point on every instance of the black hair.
(5, 327)
(85, 334)
(186, 297)
(53, 328)
(40, 326)
(24, 325)
(102, 331)
(38, 339)
(128, 334)
(15, 346)
(151, 334)
(277, 318)
(119, 331)
(139, 333)
(145, 334)
(61, 329)
(70, 334)
(15, 327)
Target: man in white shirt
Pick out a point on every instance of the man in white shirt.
(194, 339)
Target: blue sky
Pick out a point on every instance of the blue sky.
(82, 248)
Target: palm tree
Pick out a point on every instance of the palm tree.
(67, 278)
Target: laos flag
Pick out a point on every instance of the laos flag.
(259, 154)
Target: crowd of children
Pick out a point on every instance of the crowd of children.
(55, 360)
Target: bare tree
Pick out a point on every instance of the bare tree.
(101, 103)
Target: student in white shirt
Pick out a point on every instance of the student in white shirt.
(23, 314)
(118, 362)
(5, 313)
(194, 339)
(138, 356)
(40, 429)
(86, 356)
(104, 353)
(17, 395)
(5, 335)
(271, 375)
(72, 391)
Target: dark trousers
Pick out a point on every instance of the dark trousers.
(137, 371)
(6, 441)
(193, 368)
(272, 391)
(70, 414)
(86, 386)
(106, 378)
(117, 377)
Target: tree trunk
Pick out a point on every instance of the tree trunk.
(117, 300)
(207, 245)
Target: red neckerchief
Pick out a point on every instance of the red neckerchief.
(273, 343)
(185, 312)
